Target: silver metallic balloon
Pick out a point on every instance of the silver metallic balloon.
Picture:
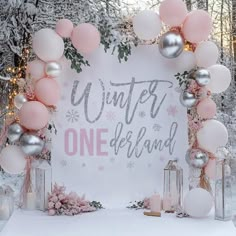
(19, 100)
(14, 132)
(202, 77)
(171, 44)
(31, 144)
(53, 69)
(197, 158)
(187, 99)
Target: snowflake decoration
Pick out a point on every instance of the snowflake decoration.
(72, 116)
(110, 116)
(156, 127)
(142, 114)
(63, 162)
(172, 111)
(130, 165)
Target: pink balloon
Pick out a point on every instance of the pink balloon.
(48, 45)
(206, 109)
(197, 26)
(33, 115)
(36, 69)
(85, 38)
(64, 28)
(210, 169)
(47, 91)
(173, 12)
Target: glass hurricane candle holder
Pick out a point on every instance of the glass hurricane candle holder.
(173, 186)
(6, 202)
(223, 187)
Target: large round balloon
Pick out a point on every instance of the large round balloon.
(171, 44)
(64, 28)
(186, 61)
(212, 135)
(207, 54)
(33, 115)
(47, 91)
(48, 45)
(206, 109)
(36, 69)
(173, 12)
(147, 25)
(85, 38)
(198, 203)
(12, 159)
(220, 78)
(197, 26)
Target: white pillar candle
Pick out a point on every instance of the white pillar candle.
(155, 203)
(4, 212)
(31, 201)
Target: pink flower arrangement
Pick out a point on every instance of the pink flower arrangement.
(194, 123)
(60, 203)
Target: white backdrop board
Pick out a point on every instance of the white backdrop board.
(118, 125)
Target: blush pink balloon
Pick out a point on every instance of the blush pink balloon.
(36, 69)
(85, 38)
(33, 115)
(48, 45)
(173, 12)
(47, 91)
(64, 28)
(206, 109)
(210, 169)
(197, 26)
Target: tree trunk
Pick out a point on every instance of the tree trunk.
(234, 28)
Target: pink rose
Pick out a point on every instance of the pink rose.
(51, 212)
(57, 205)
(51, 205)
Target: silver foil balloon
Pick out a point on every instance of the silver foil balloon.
(188, 99)
(202, 77)
(197, 158)
(31, 144)
(14, 132)
(19, 100)
(171, 44)
(53, 69)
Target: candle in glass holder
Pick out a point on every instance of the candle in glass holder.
(155, 203)
(4, 212)
(167, 203)
(31, 201)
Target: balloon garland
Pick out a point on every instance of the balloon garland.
(186, 42)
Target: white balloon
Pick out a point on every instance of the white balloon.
(220, 78)
(212, 135)
(198, 203)
(48, 45)
(12, 159)
(186, 61)
(147, 24)
(207, 54)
